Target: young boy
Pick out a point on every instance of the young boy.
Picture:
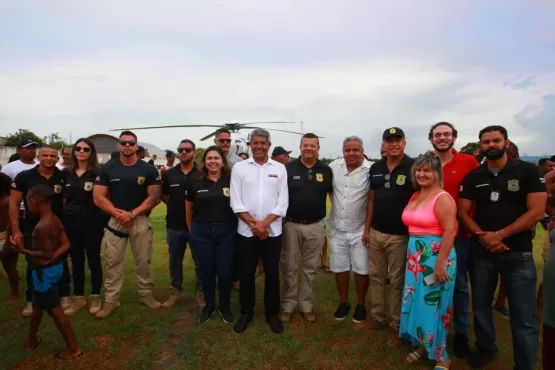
(50, 243)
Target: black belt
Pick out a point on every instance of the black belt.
(116, 232)
(303, 222)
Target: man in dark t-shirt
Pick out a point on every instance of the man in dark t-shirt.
(127, 189)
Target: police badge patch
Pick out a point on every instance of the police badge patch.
(88, 186)
(401, 179)
(319, 177)
(58, 189)
(513, 185)
(140, 180)
(226, 192)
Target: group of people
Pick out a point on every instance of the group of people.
(421, 225)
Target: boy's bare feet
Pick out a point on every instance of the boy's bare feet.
(12, 297)
(67, 354)
(32, 343)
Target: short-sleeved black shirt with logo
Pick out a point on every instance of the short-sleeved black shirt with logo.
(25, 181)
(78, 193)
(127, 184)
(511, 187)
(211, 199)
(308, 190)
(174, 185)
(392, 192)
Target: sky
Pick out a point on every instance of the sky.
(350, 67)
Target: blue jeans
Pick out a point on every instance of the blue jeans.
(214, 245)
(177, 244)
(518, 271)
(461, 298)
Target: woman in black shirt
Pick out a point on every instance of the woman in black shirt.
(212, 225)
(84, 224)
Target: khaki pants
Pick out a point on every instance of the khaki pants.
(301, 249)
(387, 253)
(140, 236)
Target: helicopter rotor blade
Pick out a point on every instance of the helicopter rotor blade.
(169, 126)
(208, 136)
(275, 129)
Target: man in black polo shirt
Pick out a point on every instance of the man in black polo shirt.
(48, 174)
(508, 198)
(309, 181)
(386, 235)
(174, 185)
(127, 189)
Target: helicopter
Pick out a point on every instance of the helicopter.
(239, 144)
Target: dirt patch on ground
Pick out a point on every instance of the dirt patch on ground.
(180, 328)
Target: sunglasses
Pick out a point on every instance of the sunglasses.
(224, 141)
(82, 149)
(125, 142)
(186, 150)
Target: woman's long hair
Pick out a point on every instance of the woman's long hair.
(92, 165)
(203, 172)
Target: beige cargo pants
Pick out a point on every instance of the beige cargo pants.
(140, 236)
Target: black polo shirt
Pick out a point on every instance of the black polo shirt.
(308, 190)
(174, 185)
(127, 184)
(211, 199)
(25, 181)
(78, 193)
(513, 183)
(392, 192)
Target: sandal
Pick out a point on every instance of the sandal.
(439, 367)
(58, 356)
(413, 357)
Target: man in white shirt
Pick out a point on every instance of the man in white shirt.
(259, 197)
(351, 186)
(27, 150)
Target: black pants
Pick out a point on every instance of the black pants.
(85, 234)
(270, 252)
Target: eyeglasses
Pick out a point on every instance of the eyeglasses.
(186, 150)
(84, 149)
(125, 142)
(310, 175)
(387, 183)
(222, 141)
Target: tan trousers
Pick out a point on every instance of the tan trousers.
(301, 250)
(140, 236)
(387, 252)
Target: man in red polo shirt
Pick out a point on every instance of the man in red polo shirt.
(455, 168)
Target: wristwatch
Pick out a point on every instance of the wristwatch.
(132, 215)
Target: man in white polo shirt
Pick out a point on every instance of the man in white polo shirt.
(351, 186)
(260, 198)
(27, 150)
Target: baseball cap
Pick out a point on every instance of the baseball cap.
(278, 150)
(141, 149)
(24, 143)
(169, 153)
(393, 131)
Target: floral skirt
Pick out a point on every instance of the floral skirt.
(426, 307)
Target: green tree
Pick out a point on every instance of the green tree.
(473, 148)
(327, 160)
(56, 141)
(198, 154)
(15, 138)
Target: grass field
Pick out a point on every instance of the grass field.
(135, 337)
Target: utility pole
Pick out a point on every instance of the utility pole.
(302, 127)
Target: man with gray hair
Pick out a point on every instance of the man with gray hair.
(259, 197)
(351, 186)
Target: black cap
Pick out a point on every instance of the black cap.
(393, 131)
(279, 150)
(169, 153)
(552, 159)
(141, 149)
(24, 143)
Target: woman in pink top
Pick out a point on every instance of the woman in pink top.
(431, 264)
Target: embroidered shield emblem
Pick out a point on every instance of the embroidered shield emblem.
(88, 186)
(392, 131)
(513, 185)
(58, 189)
(319, 177)
(226, 192)
(401, 180)
(140, 180)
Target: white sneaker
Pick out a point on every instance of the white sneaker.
(28, 310)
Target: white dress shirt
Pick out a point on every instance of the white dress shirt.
(14, 168)
(350, 196)
(260, 191)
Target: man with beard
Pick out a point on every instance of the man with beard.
(259, 197)
(309, 183)
(351, 186)
(174, 183)
(456, 166)
(127, 189)
(223, 140)
(508, 197)
(27, 152)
